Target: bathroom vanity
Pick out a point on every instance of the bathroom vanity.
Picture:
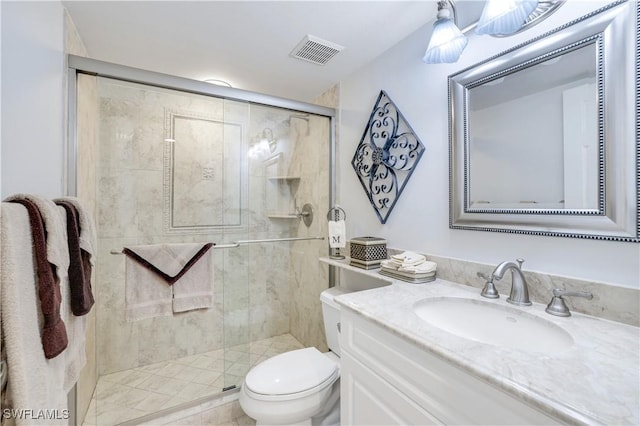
(439, 353)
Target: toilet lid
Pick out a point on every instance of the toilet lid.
(290, 372)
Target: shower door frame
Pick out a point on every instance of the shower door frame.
(81, 65)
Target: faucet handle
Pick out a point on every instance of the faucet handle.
(558, 292)
(520, 262)
(489, 290)
(483, 276)
(558, 307)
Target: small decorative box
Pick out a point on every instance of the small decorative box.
(367, 252)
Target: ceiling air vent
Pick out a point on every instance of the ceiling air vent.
(316, 50)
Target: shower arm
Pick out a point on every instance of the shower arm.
(238, 243)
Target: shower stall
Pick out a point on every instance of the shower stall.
(160, 159)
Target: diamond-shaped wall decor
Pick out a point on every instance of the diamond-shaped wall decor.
(386, 156)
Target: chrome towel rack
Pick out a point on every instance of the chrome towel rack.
(239, 243)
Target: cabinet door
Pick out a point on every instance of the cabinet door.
(426, 383)
(366, 399)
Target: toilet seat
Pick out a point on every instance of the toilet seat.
(272, 380)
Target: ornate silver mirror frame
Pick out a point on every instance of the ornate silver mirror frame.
(614, 30)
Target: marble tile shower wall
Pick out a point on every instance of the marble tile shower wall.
(308, 277)
(251, 283)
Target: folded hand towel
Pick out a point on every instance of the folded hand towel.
(337, 234)
(390, 264)
(408, 258)
(154, 279)
(79, 263)
(421, 268)
(34, 381)
(54, 334)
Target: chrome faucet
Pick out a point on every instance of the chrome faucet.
(519, 289)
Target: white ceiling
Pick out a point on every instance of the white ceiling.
(246, 43)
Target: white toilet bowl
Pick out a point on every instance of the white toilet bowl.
(300, 387)
(297, 387)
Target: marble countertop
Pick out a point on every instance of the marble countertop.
(596, 381)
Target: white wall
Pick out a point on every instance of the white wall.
(33, 66)
(420, 219)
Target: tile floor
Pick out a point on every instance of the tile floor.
(141, 391)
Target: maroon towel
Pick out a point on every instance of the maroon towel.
(79, 264)
(54, 333)
(169, 279)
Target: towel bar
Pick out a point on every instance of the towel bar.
(238, 243)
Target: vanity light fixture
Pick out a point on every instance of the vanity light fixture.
(447, 41)
(499, 18)
(504, 17)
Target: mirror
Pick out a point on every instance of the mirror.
(543, 136)
(537, 128)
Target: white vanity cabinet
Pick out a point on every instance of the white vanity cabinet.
(388, 380)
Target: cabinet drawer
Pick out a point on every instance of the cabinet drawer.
(450, 394)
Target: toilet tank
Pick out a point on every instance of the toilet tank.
(331, 316)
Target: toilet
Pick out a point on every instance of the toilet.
(300, 387)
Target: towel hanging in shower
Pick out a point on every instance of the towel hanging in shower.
(165, 278)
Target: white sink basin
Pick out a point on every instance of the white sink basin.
(493, 324)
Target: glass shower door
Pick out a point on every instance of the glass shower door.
(168, 167)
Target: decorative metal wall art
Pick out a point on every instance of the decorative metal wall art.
(386, 156)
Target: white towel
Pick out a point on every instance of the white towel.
(77, 325)
(422, 268)
(34, 382)
(195, 289)
(408, 258)
(389, 264)
(55, 221)
(88, 238)
(337, 234)
(148, 294)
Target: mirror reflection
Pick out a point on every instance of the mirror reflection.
(533, 135)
